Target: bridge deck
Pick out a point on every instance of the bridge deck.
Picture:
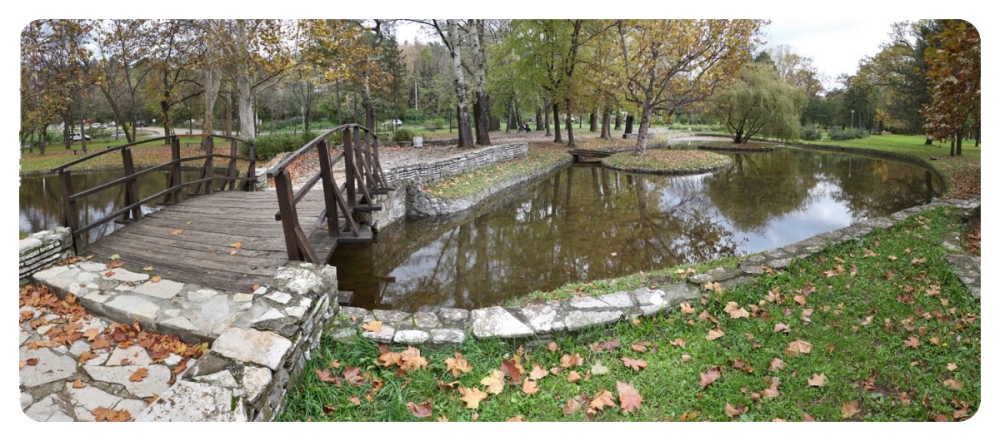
(194, 241)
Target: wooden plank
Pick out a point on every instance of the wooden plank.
(194, 260)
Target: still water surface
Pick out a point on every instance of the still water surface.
(586, 223)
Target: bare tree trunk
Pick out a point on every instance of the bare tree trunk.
(593, 121)
(213, 82)
(618, 119)
(548, 129)
(628, 126)
(538, 118)
(245, 106)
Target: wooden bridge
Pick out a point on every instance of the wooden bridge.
(216, 230)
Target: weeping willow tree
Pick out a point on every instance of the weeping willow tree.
(761, 104)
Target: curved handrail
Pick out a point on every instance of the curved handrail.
(131, 209)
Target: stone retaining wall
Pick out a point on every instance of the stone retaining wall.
(429, 172)
(43, 249)
(259, 341)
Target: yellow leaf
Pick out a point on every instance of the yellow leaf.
(372, 326)
(177, 231)
(147, 268)
(237, 245)
(493, 382)
(154, 279)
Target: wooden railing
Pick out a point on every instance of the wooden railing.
(363, 178)
(131, 208)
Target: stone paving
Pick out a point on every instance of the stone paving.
(259, 341)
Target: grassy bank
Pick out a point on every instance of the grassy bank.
(540, 156)
(878, 329)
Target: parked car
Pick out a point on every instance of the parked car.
(95, 125)
(140, 123)
(76, 137)
(119, 135)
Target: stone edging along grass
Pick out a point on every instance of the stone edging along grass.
(656, 162)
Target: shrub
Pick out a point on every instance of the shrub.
(269, 146)
(811, 133)
(402, 135)
(414, 116)
(845, 134)
(434, 124)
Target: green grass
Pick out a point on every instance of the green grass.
(667, 161)
(861, 330)
(143, 155)
(478, 181)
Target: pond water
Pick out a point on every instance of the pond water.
(586, 223)
(40, 198)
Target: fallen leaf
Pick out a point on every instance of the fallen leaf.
(571, 406)
(709, 376)
(600, 401)
(237, 245)
(628, 397)
(372, 326)
(513, 369)
(114, 257)
(519, 418)
(537, 372)
(848, 410)
(598, 368)
(154, 279)
(410, 359)
(634, 363)
(570, 360)
(573, 377)
(686, 308)
(493, 382)
(678, 342)
(781, 327)
(355, 400)
(177, 231)
(458, 365)
(138, 375)
(472, 396)
(422, 410)
(147, 268)
(685, 358)
(102, 414)
(390, 358)
(86, 355)
(798, 347)
(714, 334)
(772, 390)
(912, 342)
(953, 383)
(734, 411)
(817, 380)
(552, 346)
(529, 387)
(952, 366)
(735, 311)
(641, 346)
(77, 384)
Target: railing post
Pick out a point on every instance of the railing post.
(69, 209)
(289, 218)
(209, 167)
(378, 166)
(349, 167)
(329, 188)
(369, 170)
(131, 187)
(251, 183)
(359, 158)
(175, 170)
(232, 173)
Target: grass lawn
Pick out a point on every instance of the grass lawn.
(879, 329)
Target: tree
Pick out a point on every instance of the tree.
(670, 64)
(124, 48)
(953, 77)
(760, 104)
(451, 37)
(172, 63)
(51, 61)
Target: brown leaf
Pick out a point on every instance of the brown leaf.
(953, 384)
(952, 366)
(714, 334)
(777, 364)
(600, 401)
(410, 359)
(772, 390)
(685, 358)
(519, 418)
(372, 326)
(705, 316)
(573, 377)
(628, 397)
(818, 380)
(422, 410)
(513, 369)
(912, 342)
(102, 414)
(571, 406)
(237, 245)
(678, 342)
(735, 311)
(457, 365)
(641, 346)
(781, 327)
(529, 387)
(355, 400)
(353, 376)
(138, 375)
(472, 396)
(493, 382)
(537, 372)
(635, 364)
(686, 308)
(77, 384)
(155, 279)
(177, 231)
(325, 376)
(570, 360)
(848, 410)
(798, 347)
(552, 346)
(709, 376)
(734, 411)
(86, 355)
(743, 366)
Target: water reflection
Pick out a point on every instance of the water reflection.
(40, 199)
(586, 223)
